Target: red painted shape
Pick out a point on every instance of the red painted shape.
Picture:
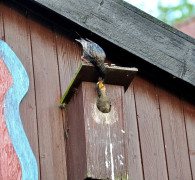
(10, 167)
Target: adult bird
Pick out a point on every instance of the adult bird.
(95, 54)
(103, 102)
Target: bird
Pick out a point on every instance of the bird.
(103, 102)
(94, 54)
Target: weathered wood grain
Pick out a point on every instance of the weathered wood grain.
(150, 129)
(50, 124)
(132, 136)
(76, 140)
(134, 31)
(174, 135)
(189, 114)
(17, 35)
(105, 134)
(96, 140)
(69, 57)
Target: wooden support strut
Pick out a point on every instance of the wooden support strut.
(95, 140)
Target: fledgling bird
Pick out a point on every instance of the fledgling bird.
(95, 54)
(103, 102)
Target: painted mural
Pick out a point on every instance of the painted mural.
(17, 161)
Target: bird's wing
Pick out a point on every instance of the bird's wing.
(95, 51)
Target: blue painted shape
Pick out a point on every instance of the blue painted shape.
(12, 115)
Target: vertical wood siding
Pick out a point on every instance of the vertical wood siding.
(159, 125)
(18, 38)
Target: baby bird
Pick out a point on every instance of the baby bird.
(95, 54)
(103, 102)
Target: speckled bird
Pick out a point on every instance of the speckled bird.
(95, 54)
(103, 102)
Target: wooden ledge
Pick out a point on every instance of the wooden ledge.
(116, 75)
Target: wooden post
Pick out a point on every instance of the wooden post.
(95, 140)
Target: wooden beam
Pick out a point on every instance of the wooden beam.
(133, 30)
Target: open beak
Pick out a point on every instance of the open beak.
(100, 84)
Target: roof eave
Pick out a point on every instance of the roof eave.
(133, 30)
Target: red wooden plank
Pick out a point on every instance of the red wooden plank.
(50, 124)
(69, 57)
(1, 23)
(174, 135)
(149, 123)
(189, 114)
(132, 141)
(17, 35)
(76, 141)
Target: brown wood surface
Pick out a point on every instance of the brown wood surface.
(189, 114)
(50, 124)
(17, 35)
(75, 135)
(1, 22)
(69, 57)
(149, 123)
(174, 135)
(132, 142)
(105, 134)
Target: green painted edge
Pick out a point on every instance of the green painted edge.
(69, 86)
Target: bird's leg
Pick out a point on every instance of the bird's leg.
(84, 59)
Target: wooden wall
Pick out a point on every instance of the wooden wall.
(160, 125)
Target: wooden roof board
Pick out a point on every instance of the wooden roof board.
(133, 30)
(115, 75)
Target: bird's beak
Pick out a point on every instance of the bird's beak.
(100, 84)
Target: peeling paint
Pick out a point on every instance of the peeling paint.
(121, 163)
(122, 156)
(112, 162)
(111, 156)
(122, 131)
(107, 163)
(120, 159)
